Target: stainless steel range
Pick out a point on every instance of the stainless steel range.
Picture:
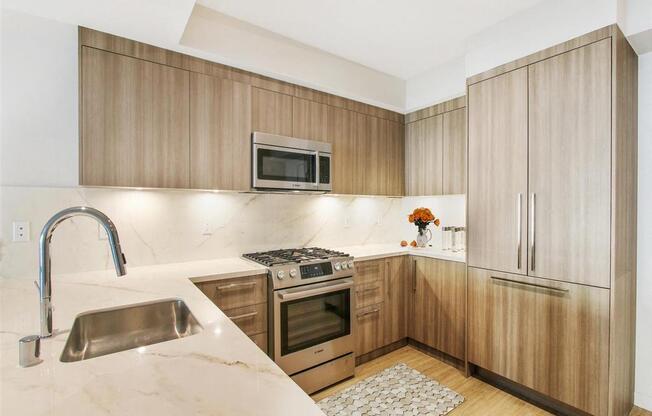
(311, 305)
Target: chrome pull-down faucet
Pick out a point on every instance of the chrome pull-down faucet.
(44, 281)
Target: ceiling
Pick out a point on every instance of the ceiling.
(400, 38)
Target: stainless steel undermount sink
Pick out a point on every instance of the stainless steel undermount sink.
(106, 331)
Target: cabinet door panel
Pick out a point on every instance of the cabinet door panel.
(439, 305)
(135, 122)
(310, 120)
(553, 339)
(570, 165)
(370, 329)
(423, 156)
(396, 286)
(454, 158)
(498, 152)
(343, 162)
(220, 133)
(361, 137)
(271, 112)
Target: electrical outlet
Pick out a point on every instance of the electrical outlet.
(21, 231)
(379, 220)
(101, 233)
(206, 229)
(347, 221)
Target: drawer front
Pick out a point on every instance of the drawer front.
(236, 293)
(260, 340)
(251, 319)
(369, 329)
(369, 294)
(550, 336)
(369, 271)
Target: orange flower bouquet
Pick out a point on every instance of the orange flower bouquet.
(422, 217)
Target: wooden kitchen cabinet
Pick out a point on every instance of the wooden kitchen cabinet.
(564, 121)
(343, 162)
(454, 152)
(550, 336)
(134, 122)
(438, 305)
(423, 156)
(497, 194)
(396, 299)
(237, 292)
(570, 165)
(310, 120)
(271, 112)
(370, 283)
(244, 301)
(220, 133)
(369, 329)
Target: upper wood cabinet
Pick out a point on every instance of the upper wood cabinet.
(435, 151)
(423, 156)
(550, 336)
(220, 133)
(454, 152)
(497, 195)
(310, 120)
(570, 165)
(271, 112)
(134, 122)
(438, 305)
(155, 118)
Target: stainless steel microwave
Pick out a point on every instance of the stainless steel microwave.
(288, 163)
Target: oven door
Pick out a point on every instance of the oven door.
(312, 324)
(276, 167)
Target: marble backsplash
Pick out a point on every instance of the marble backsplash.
(167, 226)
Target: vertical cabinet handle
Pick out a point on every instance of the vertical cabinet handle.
(532, 232)
(414, 275)
(519, 242)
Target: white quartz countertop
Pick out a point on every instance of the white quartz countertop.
(377, 251)
(218, 371)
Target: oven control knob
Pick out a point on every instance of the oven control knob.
(337, 265)
(350, 264)
(280, 275)
(293, 273)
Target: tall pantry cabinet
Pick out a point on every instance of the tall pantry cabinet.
(552, 148)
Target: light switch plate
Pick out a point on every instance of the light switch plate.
(21, 231)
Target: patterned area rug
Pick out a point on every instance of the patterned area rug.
(398, 390)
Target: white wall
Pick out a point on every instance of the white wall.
(643, 396)
(222, 38)
(544, 25)
(441, 84)
(539, 27)
(39, 142)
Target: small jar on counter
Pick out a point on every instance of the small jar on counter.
(459, 243)
(447, 238)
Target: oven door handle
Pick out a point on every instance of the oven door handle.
(286, 295)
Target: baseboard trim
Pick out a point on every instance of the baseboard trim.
(380, 351)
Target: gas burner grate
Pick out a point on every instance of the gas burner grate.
(291, 256)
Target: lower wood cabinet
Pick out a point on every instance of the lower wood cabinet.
(437, 306)
(369, 329)
(244, 301)
(395, 298)
(550, 336)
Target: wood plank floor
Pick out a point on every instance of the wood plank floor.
(479, 398)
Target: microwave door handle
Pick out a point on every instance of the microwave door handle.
(316, 169)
